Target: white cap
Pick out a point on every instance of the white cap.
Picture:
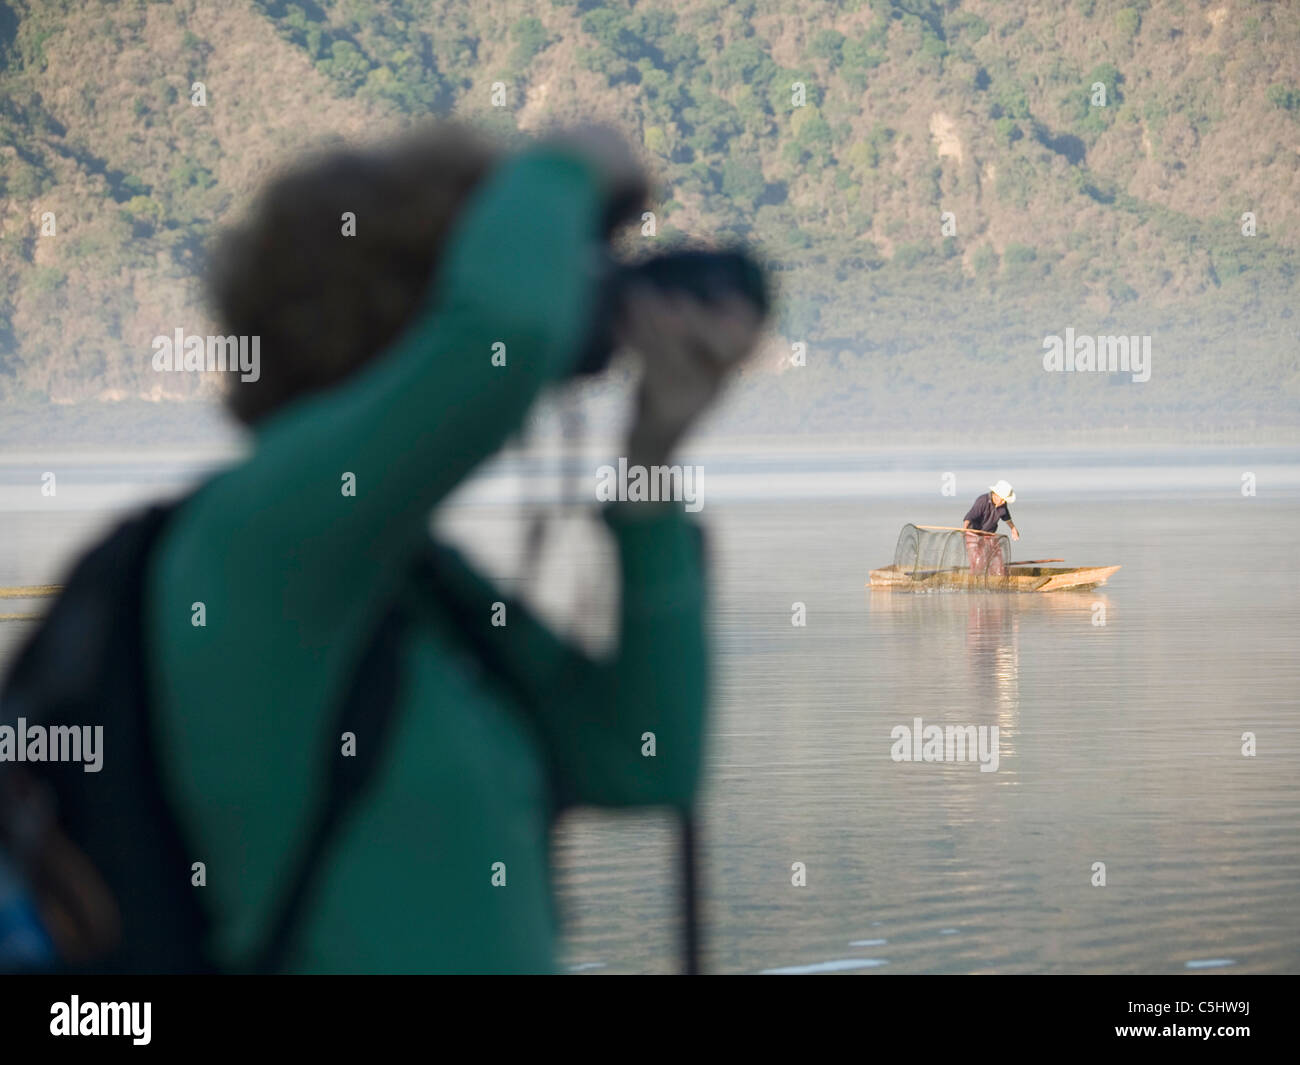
(1004, 490)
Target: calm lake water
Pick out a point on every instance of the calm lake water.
(1120, 743)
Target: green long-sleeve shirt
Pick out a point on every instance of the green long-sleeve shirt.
(293, 575)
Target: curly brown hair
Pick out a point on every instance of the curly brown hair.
(324, 303)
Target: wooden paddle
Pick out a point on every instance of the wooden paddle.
(953, 528)
(29, 591)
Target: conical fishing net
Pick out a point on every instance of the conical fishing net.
(931, 554)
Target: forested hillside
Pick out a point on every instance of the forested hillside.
(938, 185)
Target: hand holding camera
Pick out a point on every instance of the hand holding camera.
(688, 347)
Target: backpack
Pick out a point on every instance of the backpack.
(94, 869)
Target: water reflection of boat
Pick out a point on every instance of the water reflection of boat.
(941, 609)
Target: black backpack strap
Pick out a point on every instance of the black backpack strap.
(368, 711)
(438, 569)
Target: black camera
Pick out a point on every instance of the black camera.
(709, 276)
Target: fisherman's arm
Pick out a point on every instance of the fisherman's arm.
(1015, 533)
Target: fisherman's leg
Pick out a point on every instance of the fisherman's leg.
(997, 567)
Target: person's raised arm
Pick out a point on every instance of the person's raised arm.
(399, 435)
(628, 728)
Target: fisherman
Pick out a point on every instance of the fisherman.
(984, 515)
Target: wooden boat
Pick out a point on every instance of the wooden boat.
(1020, 577)
(941, 556)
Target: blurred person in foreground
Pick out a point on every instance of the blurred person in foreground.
(377, 364)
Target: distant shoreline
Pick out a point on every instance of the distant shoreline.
(202, 431)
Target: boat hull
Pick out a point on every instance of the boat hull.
(1017, 579)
